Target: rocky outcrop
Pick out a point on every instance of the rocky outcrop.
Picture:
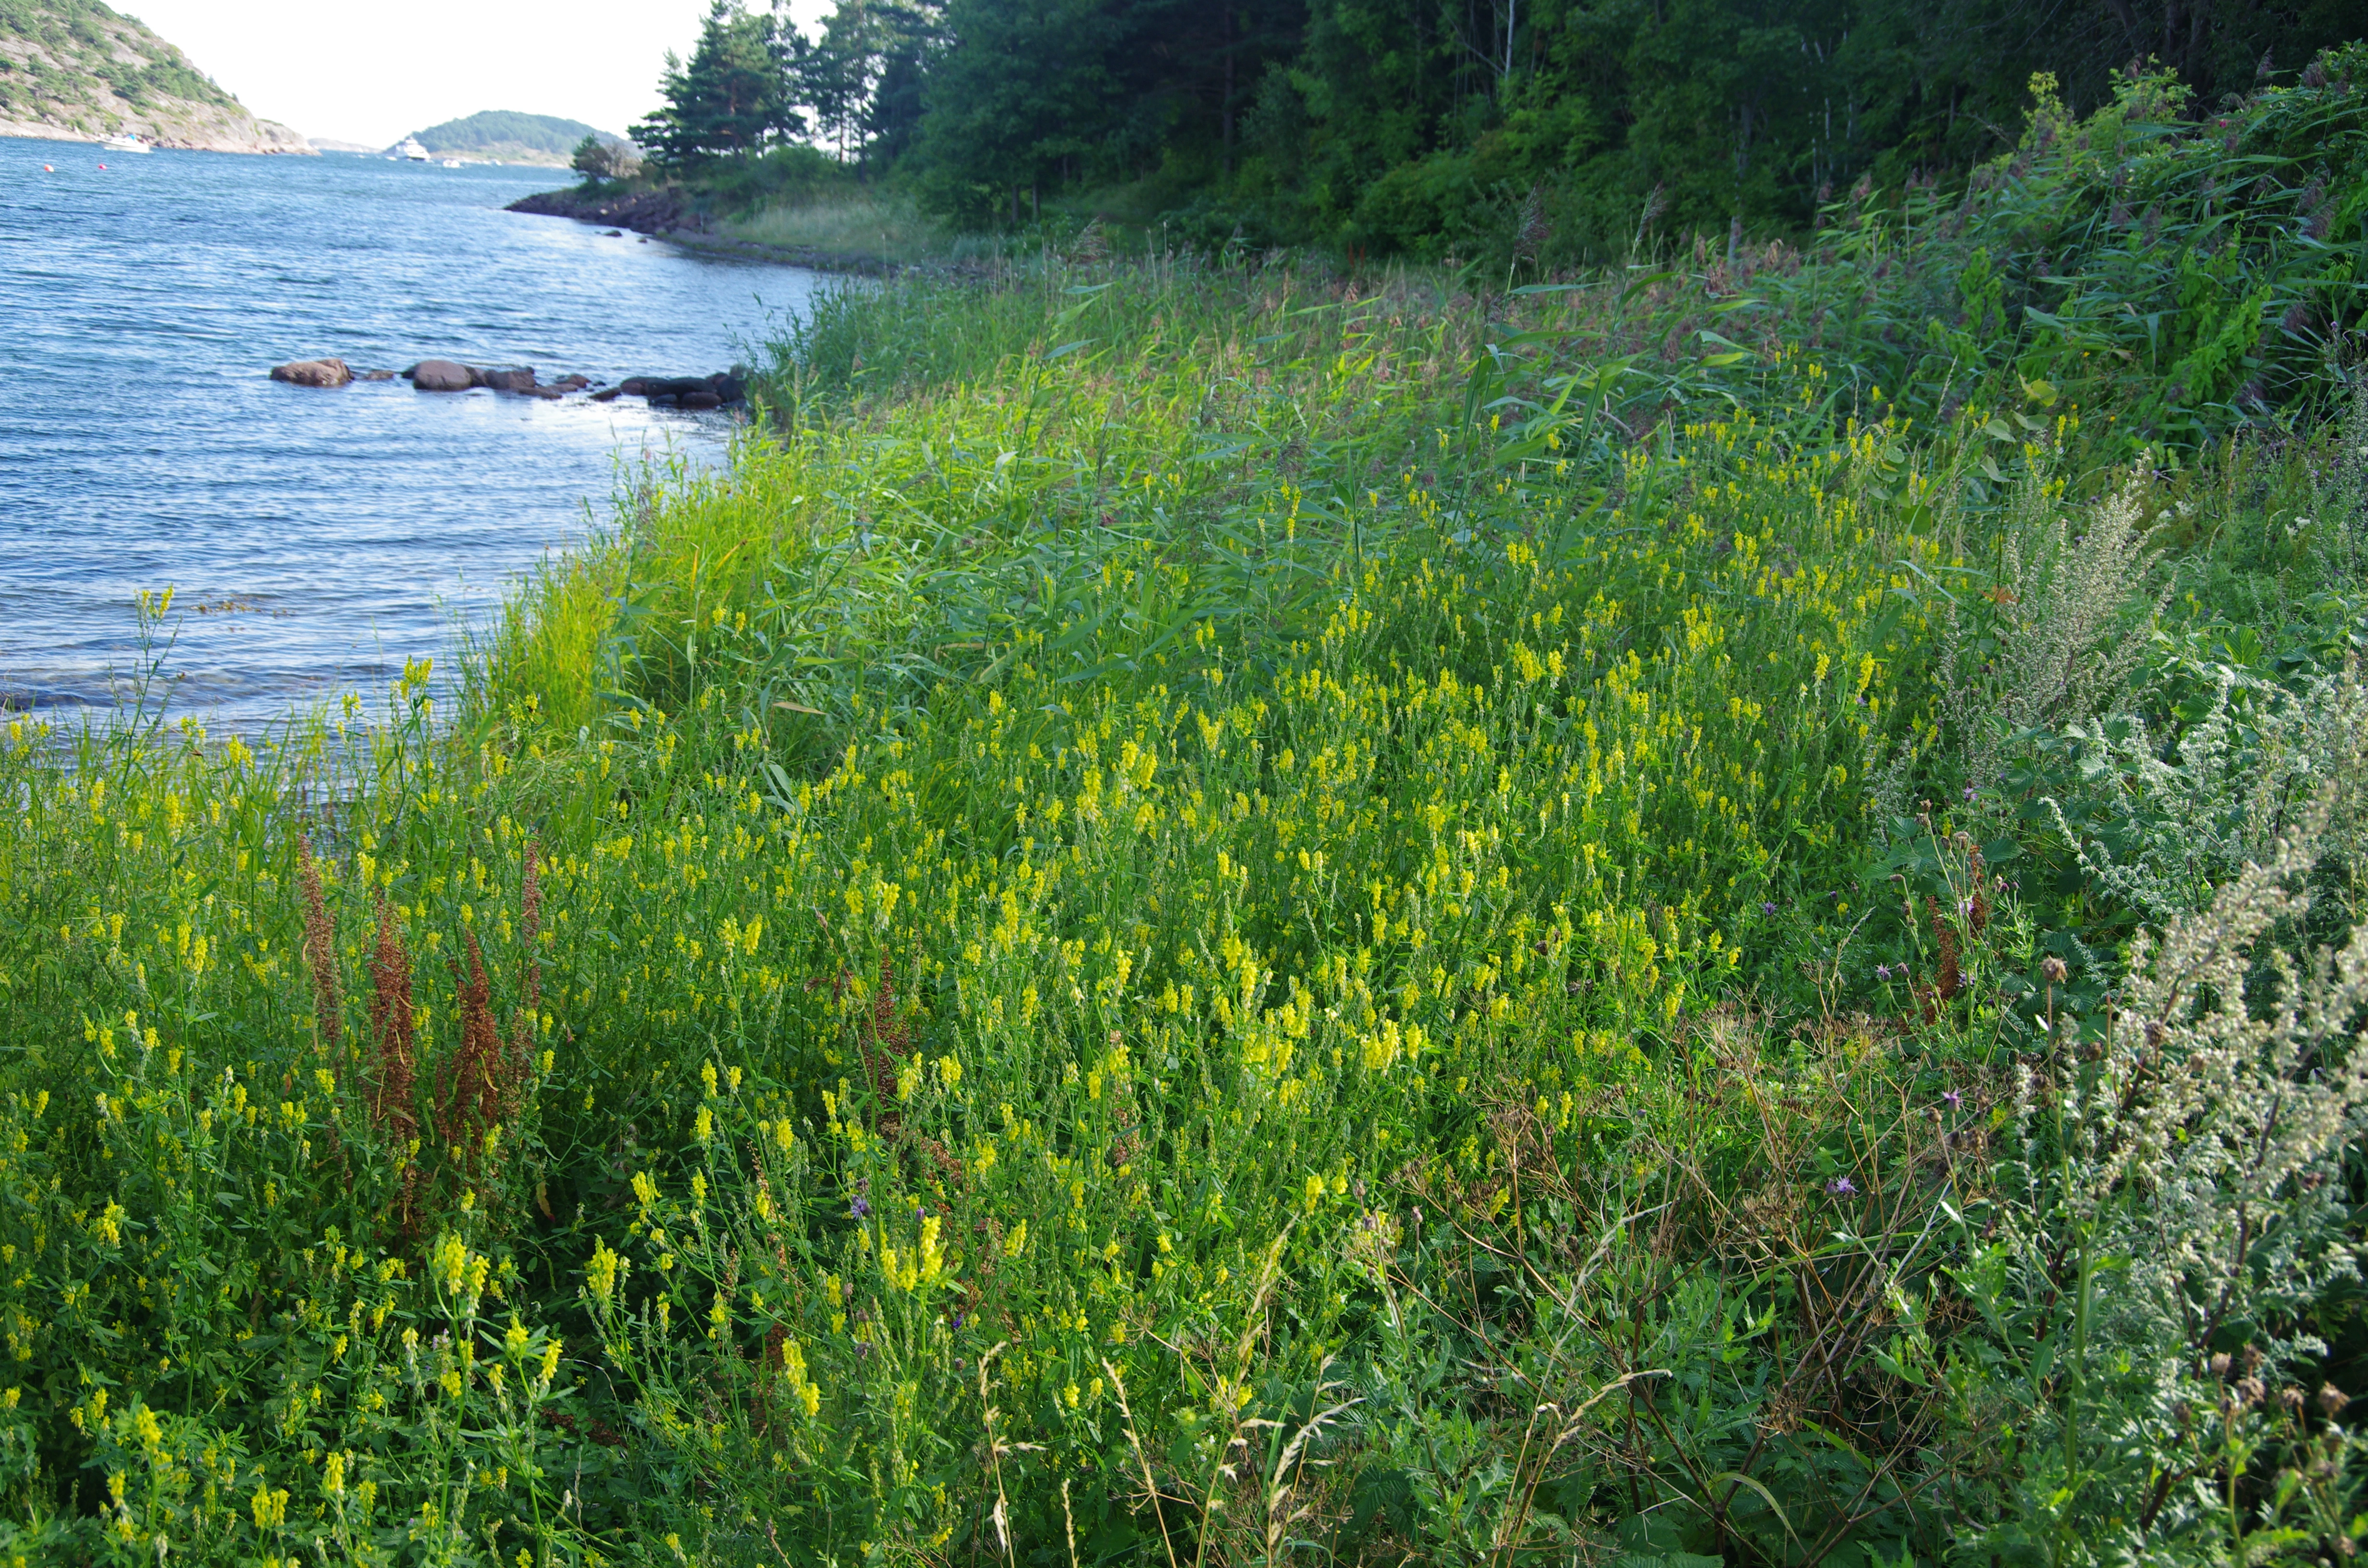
(313, 373)
(660, 212)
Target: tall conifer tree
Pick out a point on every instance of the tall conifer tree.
(732, 98)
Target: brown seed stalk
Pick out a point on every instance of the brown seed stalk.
(320, 946)
(482, 1072)
(392, 1078)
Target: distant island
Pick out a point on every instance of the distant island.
(76, 71)
(510, 137)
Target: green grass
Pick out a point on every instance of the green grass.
(1204, 912)
(886, 228)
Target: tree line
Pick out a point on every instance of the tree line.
(1563, 130)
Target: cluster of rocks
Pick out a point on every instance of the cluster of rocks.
(451, 375)
(718, 390)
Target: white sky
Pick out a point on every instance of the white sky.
(372, 71)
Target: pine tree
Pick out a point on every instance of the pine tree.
(732, 98)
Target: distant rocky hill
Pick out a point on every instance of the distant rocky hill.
(74, 69)
(512, 137)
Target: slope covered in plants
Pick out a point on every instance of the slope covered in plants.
(1223, 913)
(79, 68)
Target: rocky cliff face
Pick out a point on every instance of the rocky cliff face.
(76, 71)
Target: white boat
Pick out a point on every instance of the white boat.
(451, 163)
(124, 142)
(409, 147)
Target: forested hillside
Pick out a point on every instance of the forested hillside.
(1432, 127)
(509, 135)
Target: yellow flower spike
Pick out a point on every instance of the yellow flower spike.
(602, 1273)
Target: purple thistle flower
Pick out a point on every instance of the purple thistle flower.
(1952, 1099)
(1842, 1186)
(1969, 791)
(1882, 972)
(1767, 908)
(860, 1208)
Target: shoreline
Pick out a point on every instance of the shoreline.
(263, 146)
(667, 213)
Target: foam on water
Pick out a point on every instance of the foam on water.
(315, 539)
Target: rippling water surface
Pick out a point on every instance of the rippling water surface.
(315, 539)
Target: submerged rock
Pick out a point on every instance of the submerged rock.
(313, 373)
(520, 380)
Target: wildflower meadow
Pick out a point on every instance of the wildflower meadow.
(1206, 912)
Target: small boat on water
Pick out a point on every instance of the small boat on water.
(124, 142)
(451, 163)
(409, 147)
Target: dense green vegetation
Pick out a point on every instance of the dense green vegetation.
(1209, 911)
(65, 61)
(1567, 131)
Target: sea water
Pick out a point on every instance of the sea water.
(315, 539)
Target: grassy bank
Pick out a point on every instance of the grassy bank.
(863, 224)
(1204, 914)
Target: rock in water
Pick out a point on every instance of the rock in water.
(700, 400)
(441, 375)
(517, 381)
(607, 394)
(313, 373)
